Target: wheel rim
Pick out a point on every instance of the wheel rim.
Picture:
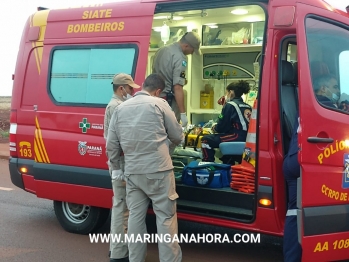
(76, 213)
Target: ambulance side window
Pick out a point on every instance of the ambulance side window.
(84, 75)
(328, 47)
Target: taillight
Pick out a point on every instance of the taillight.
(13, 133)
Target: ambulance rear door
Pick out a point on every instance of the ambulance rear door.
(323, 137)
(83, 48)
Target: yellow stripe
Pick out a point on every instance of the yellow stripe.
(41, 141)
(37, 153)
(31, 21)
(43, 147)
(39, 19)
(38, 144)
(40, 151)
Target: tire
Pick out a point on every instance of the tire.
(80, 219)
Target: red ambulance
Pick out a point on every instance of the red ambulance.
(67, 58)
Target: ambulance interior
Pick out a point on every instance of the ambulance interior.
(231, 48)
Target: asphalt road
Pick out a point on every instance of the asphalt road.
(29, 231)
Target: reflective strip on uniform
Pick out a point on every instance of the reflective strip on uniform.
(291, 212)
(242, 120)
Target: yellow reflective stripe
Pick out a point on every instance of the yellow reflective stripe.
(40, 142)
(37, 151)
(43, 147)
(39, 19)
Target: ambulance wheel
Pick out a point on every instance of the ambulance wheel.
(80, 219)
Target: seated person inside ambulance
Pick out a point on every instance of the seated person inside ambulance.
(328, 92)
(232, 123)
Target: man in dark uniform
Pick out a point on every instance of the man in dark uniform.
(171, 62)
(291, 169)
(327, 90)
(327, 93)
(232, 122)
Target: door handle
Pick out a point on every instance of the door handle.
(315, 139)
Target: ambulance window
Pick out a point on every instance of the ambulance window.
(328, 51)
(84, 76)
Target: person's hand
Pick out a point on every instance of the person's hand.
(213, 128)
(344, 105)
(184, 119)
(117, 175)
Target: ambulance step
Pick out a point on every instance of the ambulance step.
(225, 197)
(212, 209)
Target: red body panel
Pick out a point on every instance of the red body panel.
(54, 134)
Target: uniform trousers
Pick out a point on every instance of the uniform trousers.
(160, 189)
(119, 218)
(292, 249)
(173, 104)
(175, 109)
(210, 142)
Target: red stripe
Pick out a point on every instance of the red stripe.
(229, 138)
(228, 135)
(204, 153)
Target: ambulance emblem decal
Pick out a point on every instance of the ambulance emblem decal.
(202, 180)
(82, 148)
(84, 125)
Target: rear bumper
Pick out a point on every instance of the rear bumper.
(16, 176)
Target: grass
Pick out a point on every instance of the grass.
(4, 134)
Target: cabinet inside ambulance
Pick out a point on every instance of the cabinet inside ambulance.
(231, 48)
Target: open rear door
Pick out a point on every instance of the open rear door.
(323, 188)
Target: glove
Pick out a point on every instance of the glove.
(184, 119)
(117, 175)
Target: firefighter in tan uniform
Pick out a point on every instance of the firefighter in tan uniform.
(123, 86)
(171, 62)
(142, 127)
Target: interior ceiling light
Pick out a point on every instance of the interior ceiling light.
(213, 26)
(160, 17)
(157, 29)
(176, 18)
(208, 24)
(252, 19)
(239, 12)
